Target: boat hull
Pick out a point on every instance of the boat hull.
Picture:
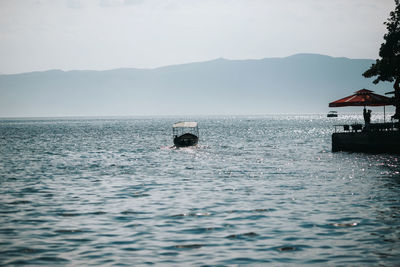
(186, 140)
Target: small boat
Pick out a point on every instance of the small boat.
(332, 114)
(185, 133)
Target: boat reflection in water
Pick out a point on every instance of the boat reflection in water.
(185, 133)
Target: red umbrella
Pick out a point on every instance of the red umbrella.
(363, 98)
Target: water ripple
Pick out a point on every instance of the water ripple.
(258, 190)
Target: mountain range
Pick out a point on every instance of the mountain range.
(302, 83)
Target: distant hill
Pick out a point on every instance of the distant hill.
(303, 83)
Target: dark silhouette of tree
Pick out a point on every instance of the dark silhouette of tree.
(387, 68)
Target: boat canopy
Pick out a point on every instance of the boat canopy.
(185, 124)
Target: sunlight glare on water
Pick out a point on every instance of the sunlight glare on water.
(260, 189)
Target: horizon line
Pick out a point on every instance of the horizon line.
(170, 115)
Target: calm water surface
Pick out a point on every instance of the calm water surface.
(257, 190)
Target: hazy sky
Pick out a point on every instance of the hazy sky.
(106, 34)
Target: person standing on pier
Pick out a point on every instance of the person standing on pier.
(367, 118)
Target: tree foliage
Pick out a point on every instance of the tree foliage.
(387, 68)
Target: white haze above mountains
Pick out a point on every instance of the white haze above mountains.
(303, 83)
(38, 35)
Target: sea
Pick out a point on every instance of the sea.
(257, 190)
